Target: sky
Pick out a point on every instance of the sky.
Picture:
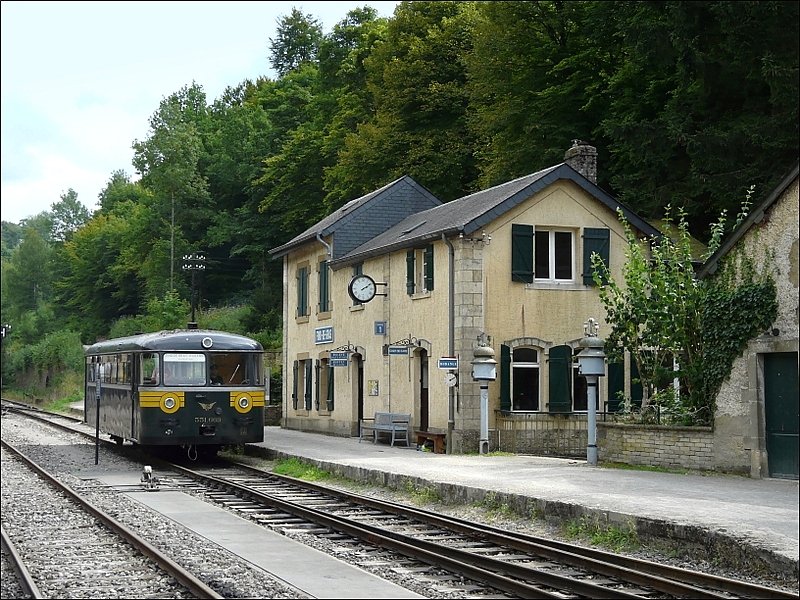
(80, 81)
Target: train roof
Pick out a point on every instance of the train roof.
(200, 340)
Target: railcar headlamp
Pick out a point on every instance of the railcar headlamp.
(207, 342)
(243, 402)
(169, 402)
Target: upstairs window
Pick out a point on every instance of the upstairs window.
(553, 255)
(419, 270)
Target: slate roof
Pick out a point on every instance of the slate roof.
(470, 213)
(755, 216)
(366, 217)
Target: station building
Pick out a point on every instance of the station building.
(507, 267)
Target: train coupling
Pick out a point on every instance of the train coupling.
(149, 481)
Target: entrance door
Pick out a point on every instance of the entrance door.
(358, 367)
(423, 391)
(781, 414)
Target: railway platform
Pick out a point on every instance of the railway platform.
(740, 520)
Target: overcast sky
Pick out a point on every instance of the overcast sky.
(80, 81)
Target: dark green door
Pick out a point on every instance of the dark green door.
(782, 414)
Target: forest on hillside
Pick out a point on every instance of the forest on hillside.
(689, 104)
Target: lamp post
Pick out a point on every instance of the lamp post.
(591, 364)
(484, 369)
(194, 262)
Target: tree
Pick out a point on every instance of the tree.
(68, 215)
(297, 42)
(28, 279)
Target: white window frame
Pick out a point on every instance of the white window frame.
(551, 259)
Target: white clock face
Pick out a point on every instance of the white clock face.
(362, 288)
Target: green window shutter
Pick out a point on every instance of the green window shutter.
(616, 386)
(331, 371)
(429, 268)
(410, 284)
(317, 369)
(594, 240)
(522, 253)
(294, 385)
(560, 360)
(307, 395)
(505, 377)
(302, 292)
(324, 287)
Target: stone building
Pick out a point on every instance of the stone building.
(509, 264)
(756, 420)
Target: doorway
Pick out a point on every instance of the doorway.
(781, 414)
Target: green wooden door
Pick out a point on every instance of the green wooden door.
(782, 414)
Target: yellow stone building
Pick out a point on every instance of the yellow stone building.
(509, 265)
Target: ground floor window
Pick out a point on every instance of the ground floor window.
(525, 380)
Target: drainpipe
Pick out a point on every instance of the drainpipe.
(328, 250)
(451, 405)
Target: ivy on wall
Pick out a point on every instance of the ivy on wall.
(675, 326)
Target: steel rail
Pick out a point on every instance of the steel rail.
(187, 579)
(26, 582)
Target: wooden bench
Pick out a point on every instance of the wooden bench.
(439, 440)
(397, 425)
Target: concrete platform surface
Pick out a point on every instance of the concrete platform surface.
(727, 512)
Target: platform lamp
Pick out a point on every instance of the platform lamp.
(591, 364)
(484, 369)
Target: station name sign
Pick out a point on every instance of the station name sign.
(448, 363)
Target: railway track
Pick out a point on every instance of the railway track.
(460, 558)
(511, 563)
(87, 541)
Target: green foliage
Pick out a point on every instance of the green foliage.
(49, 368)
(663, 315)
(299, 469)
(614, 538)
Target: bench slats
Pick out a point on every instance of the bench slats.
(396, 424)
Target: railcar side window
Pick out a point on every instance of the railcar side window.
(148, 369)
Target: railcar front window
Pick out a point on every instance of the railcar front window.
(235, 368)
(184, 369)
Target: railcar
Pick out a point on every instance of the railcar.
(193, 389)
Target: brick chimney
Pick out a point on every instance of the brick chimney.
(583, 158)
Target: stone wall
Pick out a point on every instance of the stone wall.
(656, 445)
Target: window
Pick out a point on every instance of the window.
(184, 368)
(325, 385)
(301, 383)
(553, 252)
(302, 292)
(525, 379)
(324, 287)
(148, 369)
(235, 368)
(419, 270)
